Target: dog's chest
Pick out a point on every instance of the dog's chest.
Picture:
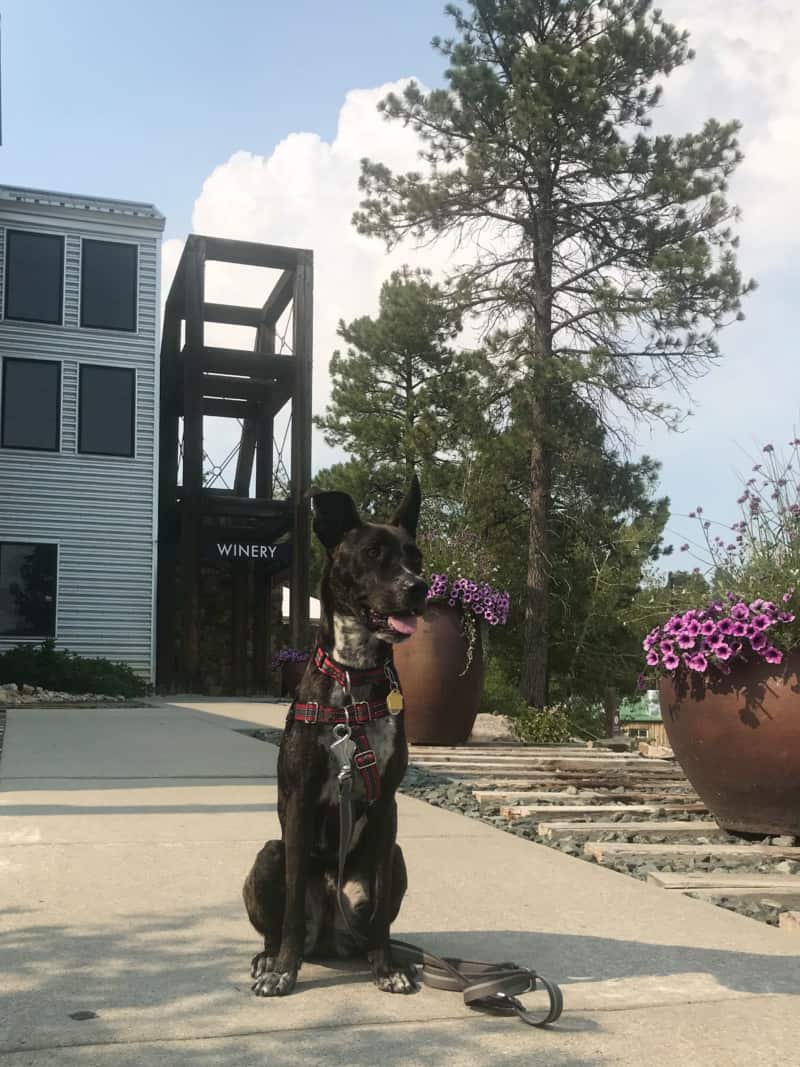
(381, 735)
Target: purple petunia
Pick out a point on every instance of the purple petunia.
(740, 611)
(671, 661)
(723, 651)
(773, 655)
(762, 622)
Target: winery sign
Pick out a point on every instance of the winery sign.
(221, 546)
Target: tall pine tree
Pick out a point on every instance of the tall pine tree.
(606, 251)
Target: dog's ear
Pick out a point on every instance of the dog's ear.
(334, 514)
(407, 515)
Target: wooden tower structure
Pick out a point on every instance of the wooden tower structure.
(251, 387)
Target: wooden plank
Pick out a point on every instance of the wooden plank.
(252, 253)
(302, 347)
(223, 408)
(490, 798)
(244, 507)
(723, 880)
(245, 459)
(262, 582)
(229, 361)
(232, 314)
(556, 830)
(604, 851)
(277, 301)
(589, 810)
(194, 281)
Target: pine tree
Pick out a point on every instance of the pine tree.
(605, 252)
(400, 398)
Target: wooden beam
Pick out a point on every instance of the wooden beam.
(227, 387)
(222, 408)
(253, 254)
(194, 281)
(240, 362)
(244, 507)
(277, 302)
(301, 450)
(244, 461)
(232, 314)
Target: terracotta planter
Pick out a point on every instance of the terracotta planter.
(440, 703)
(291, 674)
(738, 740)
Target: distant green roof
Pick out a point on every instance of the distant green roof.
(645, 708)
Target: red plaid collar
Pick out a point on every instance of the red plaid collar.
(347, 677)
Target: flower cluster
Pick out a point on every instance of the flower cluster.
(727, 629)
(487, 603)
(289, 655)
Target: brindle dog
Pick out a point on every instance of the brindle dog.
(371, 592)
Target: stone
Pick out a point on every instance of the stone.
(784, 841)
(652, 751)
(790, 920)
(9, 687)
(28, 690)
(492, 728)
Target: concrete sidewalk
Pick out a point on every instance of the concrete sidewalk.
(124, 839)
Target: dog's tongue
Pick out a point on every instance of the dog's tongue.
(405, 625)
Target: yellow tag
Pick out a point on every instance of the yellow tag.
(394, 702)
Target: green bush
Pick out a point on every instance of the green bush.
(543, 726)
(66, 672)
(501, 695)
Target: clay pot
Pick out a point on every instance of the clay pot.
(440, 702)
(738, 740)
(291, 675)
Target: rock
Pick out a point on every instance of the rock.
(492, 728)
(652, 751)
(4, 696)
(786, 867)
(28, 690)
(790, 920)
(9, 687)
(784, 841)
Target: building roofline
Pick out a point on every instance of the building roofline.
(102, 205)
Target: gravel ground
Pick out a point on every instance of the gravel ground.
(444, 792)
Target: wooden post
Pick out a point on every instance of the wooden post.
(194, 281)
(262, 583)
(168, 521)
(301, 447)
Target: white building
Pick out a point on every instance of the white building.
(79, 325)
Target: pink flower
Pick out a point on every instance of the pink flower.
(740, 629)
(685, 639)
(671, 661)
(667, 647)
(698, 662)
(722, 651)
(726, 626)
(740, 611)
(708, 629)
(785, 616)
(759, 641)
(762, 622)
(652, 657)
(773, 655)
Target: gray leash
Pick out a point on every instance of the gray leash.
(490, 987)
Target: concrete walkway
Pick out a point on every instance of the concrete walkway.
(125, 834)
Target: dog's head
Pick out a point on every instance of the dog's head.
(373, 569)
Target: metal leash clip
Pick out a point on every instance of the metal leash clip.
(343, 748)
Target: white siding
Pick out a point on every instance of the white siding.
(98, 509)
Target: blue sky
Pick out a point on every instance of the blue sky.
(141, 101)
(248, 119)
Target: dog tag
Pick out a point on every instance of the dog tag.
(394, 701)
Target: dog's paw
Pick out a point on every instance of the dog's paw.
(396, 982)
(260, 964)
(275, 983)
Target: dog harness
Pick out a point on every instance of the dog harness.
(352, 740)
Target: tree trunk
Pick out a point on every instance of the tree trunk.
(537, 607)
(533, 683)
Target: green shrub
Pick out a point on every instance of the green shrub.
(543, 726)
(66, 672)
(501, 696)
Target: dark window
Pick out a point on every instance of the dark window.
(34, 276)
(28, 589)
(106, 416)
(31, 414)
(108, 285)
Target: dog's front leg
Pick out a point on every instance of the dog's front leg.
(389, 885)
(296, 836)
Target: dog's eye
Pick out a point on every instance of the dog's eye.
(374, 551)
